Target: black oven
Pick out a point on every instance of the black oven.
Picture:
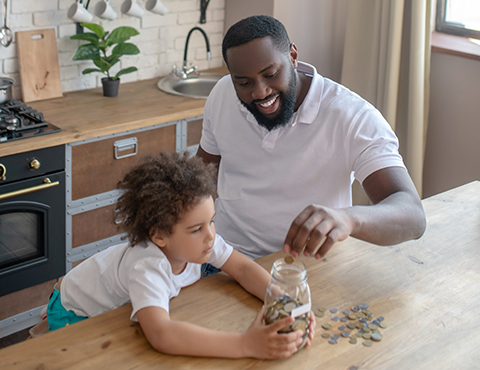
(32, 218)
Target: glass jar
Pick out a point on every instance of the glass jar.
(288, 294)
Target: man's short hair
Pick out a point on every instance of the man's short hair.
(255, 27)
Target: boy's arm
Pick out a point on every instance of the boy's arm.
(182, 338)
(254, 279)
(249, 274)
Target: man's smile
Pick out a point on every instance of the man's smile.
(269, 106)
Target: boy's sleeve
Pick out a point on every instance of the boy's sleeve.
(220, 253)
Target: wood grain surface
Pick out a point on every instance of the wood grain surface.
(426, 289)
(38, 62)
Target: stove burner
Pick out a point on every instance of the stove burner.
(19, 121)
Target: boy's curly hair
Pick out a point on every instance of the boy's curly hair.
(159, 191)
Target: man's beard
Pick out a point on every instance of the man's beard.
(287, 103)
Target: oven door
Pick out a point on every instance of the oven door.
(32, 231)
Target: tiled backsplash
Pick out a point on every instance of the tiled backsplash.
(161, 40)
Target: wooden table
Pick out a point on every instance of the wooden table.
(427, 290)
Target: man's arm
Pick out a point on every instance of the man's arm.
(396, 215)
(207, 157)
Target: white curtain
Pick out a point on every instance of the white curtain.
(387, 61)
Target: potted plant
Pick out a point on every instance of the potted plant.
(99, 43)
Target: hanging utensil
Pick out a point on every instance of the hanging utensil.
(6, 34)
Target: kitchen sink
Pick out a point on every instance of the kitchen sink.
(197, 87)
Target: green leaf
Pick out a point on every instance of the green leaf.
(91, 70)
(99, 31)
(121, 34)
(113, 59)
(125, 48)
(87, 52)
(102, 64)
(86, 36)
(125, 71)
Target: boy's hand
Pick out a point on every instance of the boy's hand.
(263, 342)
(311, 328)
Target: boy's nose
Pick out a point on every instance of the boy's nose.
(211, 232)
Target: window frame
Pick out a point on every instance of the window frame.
(449, 27)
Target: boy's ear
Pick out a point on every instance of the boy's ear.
(158, 238)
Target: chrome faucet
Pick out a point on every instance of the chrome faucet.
(185, 71)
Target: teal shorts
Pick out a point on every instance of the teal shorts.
(58, 317)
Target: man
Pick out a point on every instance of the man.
(289, 143)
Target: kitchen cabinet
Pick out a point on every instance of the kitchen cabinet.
(94, 167)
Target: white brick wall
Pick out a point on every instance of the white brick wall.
(161, 40)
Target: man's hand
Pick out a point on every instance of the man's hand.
(395, 216)
(316, 229)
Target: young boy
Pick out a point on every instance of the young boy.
(168, 212)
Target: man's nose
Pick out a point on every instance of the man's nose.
(261, 90)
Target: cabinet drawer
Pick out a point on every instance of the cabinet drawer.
(95, 169)
(91, 226)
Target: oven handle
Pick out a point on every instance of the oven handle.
(46, 184)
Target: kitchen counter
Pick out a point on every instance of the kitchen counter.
(426, 289)
(87, 113)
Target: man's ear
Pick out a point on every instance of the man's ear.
(158, 238)
(293, 55)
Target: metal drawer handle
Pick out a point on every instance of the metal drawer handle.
(125, 144)
(46, 184)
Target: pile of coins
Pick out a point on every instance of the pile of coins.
(282, 307)
(355, 324)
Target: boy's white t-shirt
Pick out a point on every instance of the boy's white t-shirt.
(141, 275)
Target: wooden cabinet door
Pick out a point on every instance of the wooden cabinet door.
(95, 169)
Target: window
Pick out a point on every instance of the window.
(459, 17)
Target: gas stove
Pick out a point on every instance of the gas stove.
(19, 121)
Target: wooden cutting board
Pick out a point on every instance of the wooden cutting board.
(38, 61)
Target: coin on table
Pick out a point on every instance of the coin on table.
(345, 334)
(353, 341)
(367, 335)
(325, 335)
(321, 309)
(367, 343)
(351, 325)
(377, 337)
(333, 341)
(327, 326)
(333, 310)
(319, 313)
(289, 259)
(383, 325)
